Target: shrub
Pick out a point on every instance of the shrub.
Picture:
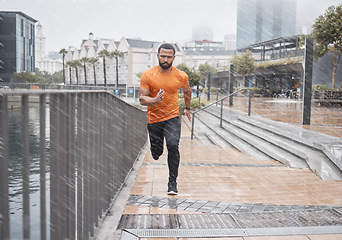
(244, 89)
(194, 104)
(212, 90)
(319, 87)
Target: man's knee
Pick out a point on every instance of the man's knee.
(173, 147)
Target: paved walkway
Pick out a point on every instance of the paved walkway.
(226, 194)
(259, 193)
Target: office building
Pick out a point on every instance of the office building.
(230, 41)
(48, 63)
(262, 20)
(17, 44)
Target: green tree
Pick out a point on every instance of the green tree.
(40, 77)
(85, 60)
(139, 74)
(57, 77)
(48, 78)
(26, 77)
(43, 76)
(63, 51)
(104, 53)
(94, 62)
(194, 78)
(327, 34)
(244, 64)
(116, 54)
(204, 69)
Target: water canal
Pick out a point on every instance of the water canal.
(15, 172)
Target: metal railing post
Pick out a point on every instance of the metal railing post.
(54, 231)
(217, 97)
(80, 165)
(221, 113)
(25, 165)
(249, 102)
(42, 132)
(4, 163)
(192, 125)
(70, 147)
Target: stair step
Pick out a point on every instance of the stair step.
(278, 140)
(210, 133)
(315, 159)
(253, 145)
(242, 145)
(265, 138)
(231, 139)
(269, 149)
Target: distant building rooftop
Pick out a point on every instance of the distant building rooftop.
(20, 13)
(136, 43)
(274, 44)
(207, 51)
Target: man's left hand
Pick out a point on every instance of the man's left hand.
(187, 113)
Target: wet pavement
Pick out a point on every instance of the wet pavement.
(324, 119)
(226, 194)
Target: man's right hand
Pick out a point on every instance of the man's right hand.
(160, 96)
(146, 100)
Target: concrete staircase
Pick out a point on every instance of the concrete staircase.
(267, 139)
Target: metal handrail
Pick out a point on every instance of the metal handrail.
(221, 113)
(94, 139)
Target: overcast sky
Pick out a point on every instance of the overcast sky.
(66, 22)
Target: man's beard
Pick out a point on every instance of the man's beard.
(165, 65)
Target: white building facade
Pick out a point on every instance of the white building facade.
(206, 52)
(43, 62)
(138, 56)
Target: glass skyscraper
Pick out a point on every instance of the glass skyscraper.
(262, 20)
(17, 37)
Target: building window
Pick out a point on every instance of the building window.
(21, 27)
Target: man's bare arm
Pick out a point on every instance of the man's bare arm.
(187, 99)
(146, 100)
(187, 96)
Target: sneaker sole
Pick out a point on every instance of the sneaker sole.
(172, 193)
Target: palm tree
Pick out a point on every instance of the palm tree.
(63, 51)
(94, 61)
(71, 65)
(74, 64)
(77, 64)
(85, 60)
(116, 54)
(104, 53)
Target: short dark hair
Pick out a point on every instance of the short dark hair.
(167, 46)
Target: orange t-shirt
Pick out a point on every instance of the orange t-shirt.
(154, 80)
